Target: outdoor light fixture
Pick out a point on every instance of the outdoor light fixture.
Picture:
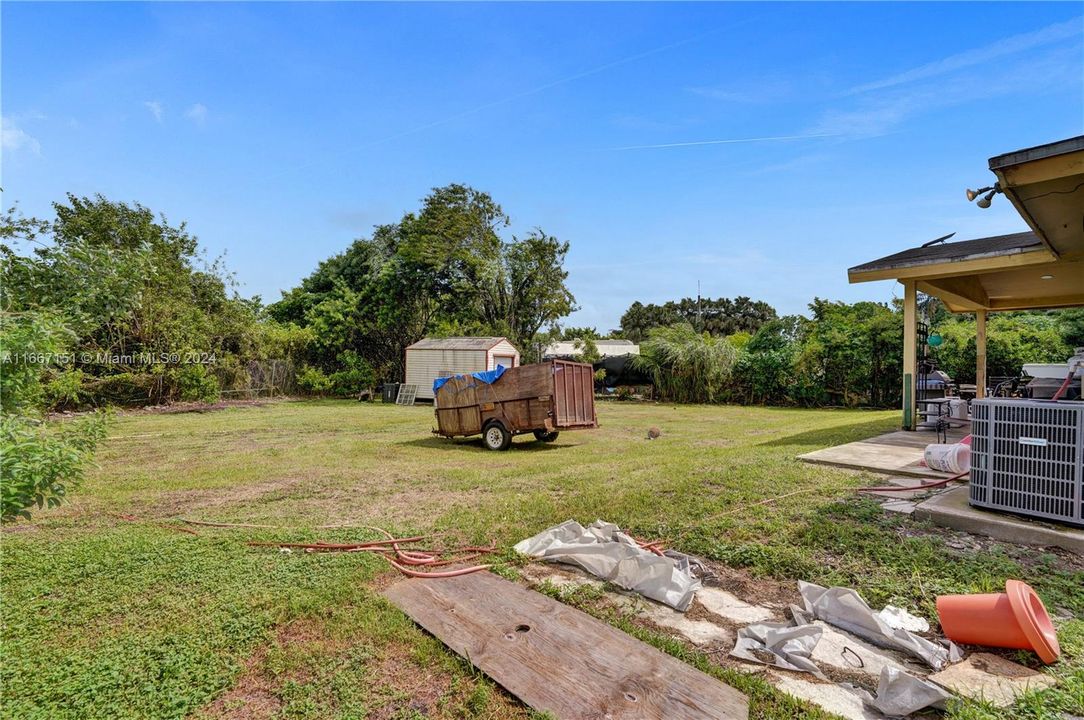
(985, 200)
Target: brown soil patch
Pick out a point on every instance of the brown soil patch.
(252, 698)
(418, 690)
(255, 695)
(180, 502)
(194, 407)
(753, 590)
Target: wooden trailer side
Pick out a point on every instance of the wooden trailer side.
(542, 396)
(573, 395)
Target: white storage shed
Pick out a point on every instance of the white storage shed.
(432, 358)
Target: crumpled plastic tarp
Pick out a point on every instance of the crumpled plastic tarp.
(487, 376)
(784, 645)
(790, 646)
(606, 552)
(899, 694)
(845, 608)
(897, 617)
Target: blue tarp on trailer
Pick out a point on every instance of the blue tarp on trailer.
(488, 377)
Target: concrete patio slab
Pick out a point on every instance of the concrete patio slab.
(894, 453)
(951, 509)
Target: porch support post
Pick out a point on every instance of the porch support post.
(910, 354)
(980, 353)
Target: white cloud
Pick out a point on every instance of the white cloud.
(197, 113)
(883, 111)
(156, 109)
(13, 138)
(979, 56)
(764, 90)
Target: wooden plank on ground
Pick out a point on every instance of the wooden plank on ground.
(558, 659)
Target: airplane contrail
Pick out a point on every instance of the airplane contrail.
(509, 98)
(729, 141)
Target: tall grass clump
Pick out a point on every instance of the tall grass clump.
(686, 366)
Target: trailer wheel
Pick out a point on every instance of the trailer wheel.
(496, 436)
(543, 436)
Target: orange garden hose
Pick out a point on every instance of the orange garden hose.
(927, 486)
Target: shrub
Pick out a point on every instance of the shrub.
(355, 376)
(39, 464)
(194, 383)
(314, 381)
(32, 343)
(763, 377)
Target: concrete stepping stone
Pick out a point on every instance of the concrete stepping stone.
(731, 607)
(847, 652)
(905, 507)
(983, 676)
(698, 632)
(829, 696)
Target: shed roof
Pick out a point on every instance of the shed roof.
(456, 343)
(606, 348)
(996, 246)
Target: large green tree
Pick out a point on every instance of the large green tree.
(127, 283)
(721, 316)
(442, 270)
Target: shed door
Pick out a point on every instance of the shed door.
(508, 361)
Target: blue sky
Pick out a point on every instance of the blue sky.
(281, 131)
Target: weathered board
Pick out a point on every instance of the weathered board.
(558, 659)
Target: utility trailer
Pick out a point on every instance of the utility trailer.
(543, 398)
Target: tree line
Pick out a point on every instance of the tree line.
(841, 354)
(110, 304)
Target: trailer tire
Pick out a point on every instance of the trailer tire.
(495, 436)
(543, 436)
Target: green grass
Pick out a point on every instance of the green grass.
(109, 618)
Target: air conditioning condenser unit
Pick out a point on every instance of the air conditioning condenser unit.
(1027, 458)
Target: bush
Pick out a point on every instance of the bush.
(355, 376)
(194, 384)
(314, 381)
(762, 377)
(39, 464)
(1011, 340)
(32, 343)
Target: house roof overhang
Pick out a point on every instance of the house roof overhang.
(1046, 186)
(1040, 269)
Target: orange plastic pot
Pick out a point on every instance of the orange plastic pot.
(1015, 618)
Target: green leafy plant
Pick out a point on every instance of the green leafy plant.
(685, 365)
(314, 381)
(39, 463)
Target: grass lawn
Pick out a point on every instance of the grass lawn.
(108, 618)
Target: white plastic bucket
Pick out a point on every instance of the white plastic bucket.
(954, 458)
(958, 409)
